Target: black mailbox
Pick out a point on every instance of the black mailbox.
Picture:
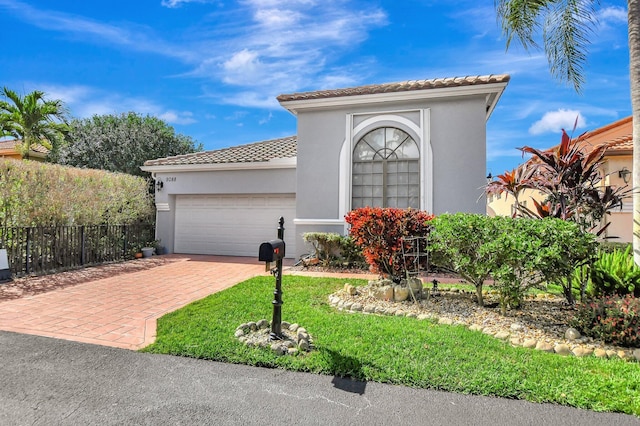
(271, 251)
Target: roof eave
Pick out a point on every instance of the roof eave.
(276, 163)
(492, 91)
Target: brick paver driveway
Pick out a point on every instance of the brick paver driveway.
(121, 311)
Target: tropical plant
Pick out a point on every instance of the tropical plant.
(615, 273)
(568, 178)
(380, 232)
(566, 28)
(121, 143)
(326, 245)
(32, 120)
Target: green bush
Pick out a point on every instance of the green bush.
(41, 194)
(461, 243)
(611, 246)
(615, 273)
(332, 248)
(615, 320)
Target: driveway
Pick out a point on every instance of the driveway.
(121, 311)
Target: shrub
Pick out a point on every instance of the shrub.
(460, 242)
(615, 273)
(379, 232)
(615, 320)
(332, 248)
(40, 194)
(326, 245)
(532, 251)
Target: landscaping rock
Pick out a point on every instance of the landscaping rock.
(263, 323)
(516, 326)
(381, 310)
(581, 351)
(475, 327)
(422, 317)
(445, 321)
(279, 349)
(530, 343)
(356, 307)
(502, 335)
(383, 293)
(350, 290)
(303, 345)
(488, 331)
(285, 324)
(400, 294)
(623, 354)
(572, 334)
(562, 349)
(400, 313)
(412, 315)
(515, 342)
(611, 353)
(390, 311)
(239, 333)
(636, 354)
(600, 353)
(370, 309)
(347, 306)
(292, 351)
(544, 346)
(294, 327)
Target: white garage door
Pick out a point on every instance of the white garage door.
(232, 225)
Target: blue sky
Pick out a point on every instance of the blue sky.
(212, 69)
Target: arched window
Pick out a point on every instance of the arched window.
(386, 170)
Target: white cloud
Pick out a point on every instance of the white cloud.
(613, 15)
(86, 101)
(178, 117)
(555, 121)
(265, 47)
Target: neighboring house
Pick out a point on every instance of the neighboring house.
(8, 149)
(616, 170)
(418, 144)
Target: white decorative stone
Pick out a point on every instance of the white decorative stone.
(356, 307)
(502, 335)
(445, 321)
(239, 333)
(600, 353)
(636, 354)
(544, 347)
(294, 327)
(516, 326)
(562, 349)
(370, 308)
(383, 293)
(581, 351)
(572, 334)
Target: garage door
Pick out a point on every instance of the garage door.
(232, 225)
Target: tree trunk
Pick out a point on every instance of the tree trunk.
(634, 78)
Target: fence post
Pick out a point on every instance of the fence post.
(27, 264)
(82, 246)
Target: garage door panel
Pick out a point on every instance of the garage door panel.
(231, 224)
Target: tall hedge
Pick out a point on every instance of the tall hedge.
(41, 194)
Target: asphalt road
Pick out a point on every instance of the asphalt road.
(56, 382)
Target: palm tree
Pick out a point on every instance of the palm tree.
(566, 27)
(33, 120)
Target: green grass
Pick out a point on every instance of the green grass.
(393, 349)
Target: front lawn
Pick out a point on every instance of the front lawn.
(395, 350)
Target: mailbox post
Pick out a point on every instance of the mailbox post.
(271, 251)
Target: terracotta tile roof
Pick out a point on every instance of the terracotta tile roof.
(404, 86)
(249, 153)
(11, 144)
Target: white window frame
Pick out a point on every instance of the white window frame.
(388, 119)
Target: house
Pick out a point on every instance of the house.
(418, 144)
(9, 149)
(616, 170)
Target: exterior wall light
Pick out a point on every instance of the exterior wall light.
(159, 185)
(624, 174)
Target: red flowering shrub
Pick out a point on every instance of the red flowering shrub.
(613, 319)
(379, 232)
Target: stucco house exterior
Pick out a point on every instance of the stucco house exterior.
(418, 144)
(616, 171)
